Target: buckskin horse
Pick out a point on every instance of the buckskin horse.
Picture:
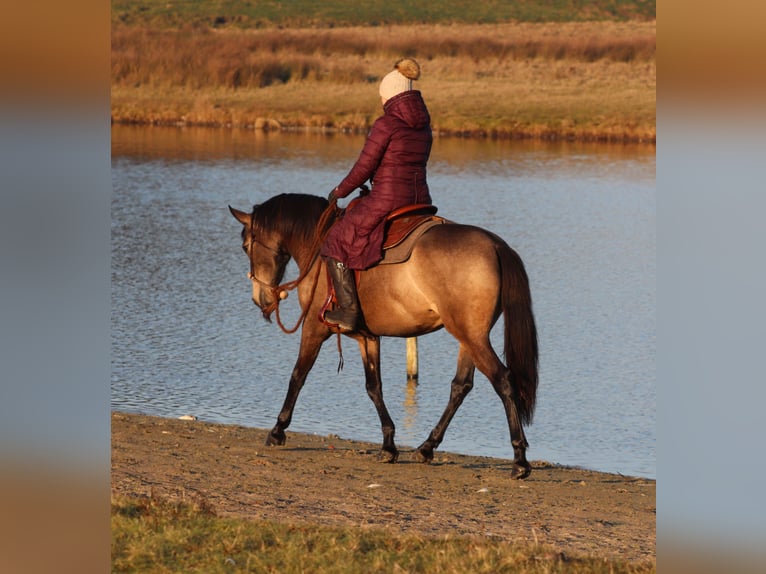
(457, 277)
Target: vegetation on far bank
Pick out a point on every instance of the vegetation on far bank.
(340, 13)
(584, 81)
(151, 534)
(588, 75)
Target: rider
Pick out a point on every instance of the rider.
(394, 159)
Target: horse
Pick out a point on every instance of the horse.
(457, 277)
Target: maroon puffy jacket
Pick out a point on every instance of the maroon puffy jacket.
(394, 158)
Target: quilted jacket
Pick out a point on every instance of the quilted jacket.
(394, 159)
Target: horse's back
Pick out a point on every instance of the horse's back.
(457, 259)
(458, 240)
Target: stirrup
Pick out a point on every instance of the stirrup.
(342, 323)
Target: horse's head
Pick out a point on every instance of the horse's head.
(268, 260)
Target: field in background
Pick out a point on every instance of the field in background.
(590, 80)
(546, 69)
(342, 13)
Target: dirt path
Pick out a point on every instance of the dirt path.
(328, 480)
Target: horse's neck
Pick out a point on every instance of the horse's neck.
(305, 252)
(302, 256)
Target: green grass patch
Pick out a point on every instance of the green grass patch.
(329, 13)
(156, 535)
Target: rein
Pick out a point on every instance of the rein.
(279, 292)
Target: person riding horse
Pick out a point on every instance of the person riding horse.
(393, 159)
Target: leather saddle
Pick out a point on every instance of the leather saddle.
(402, 221)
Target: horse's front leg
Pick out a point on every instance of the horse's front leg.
(307, 355)
(369, 348)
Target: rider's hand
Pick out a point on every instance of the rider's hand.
(331, 196)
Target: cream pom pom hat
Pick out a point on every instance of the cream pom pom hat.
(399, 79)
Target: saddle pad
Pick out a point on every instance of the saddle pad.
(400, 250)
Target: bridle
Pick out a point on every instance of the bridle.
(251, 275)
(274, 288)
(278, 292)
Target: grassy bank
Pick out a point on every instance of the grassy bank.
(594, 80)
(156, 535)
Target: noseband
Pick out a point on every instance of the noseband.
(251, 275)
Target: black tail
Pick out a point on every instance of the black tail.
(521, 353)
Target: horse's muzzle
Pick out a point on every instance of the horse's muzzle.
(264, 307)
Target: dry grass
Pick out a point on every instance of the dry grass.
(156, 535)
(592, 80)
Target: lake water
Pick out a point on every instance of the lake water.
(187, 339)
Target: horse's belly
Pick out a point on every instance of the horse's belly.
(394, 304)
(402, 324)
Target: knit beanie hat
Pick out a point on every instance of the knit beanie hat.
(399, 79)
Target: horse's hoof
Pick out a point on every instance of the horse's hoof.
(423, 455)
(276, 439)
(520, 472)
(388, 456)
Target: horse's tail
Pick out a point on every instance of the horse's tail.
(520, 350)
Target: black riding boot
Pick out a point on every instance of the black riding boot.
(346, 314)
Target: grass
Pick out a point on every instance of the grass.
(333, 13)
(574, 80)
(156, 535)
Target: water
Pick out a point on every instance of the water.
(186, 338)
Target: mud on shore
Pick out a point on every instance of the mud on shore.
(332, 481)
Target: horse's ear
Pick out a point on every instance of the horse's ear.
(241, 216)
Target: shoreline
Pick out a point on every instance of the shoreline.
(328, 480)
(479, 134)
(405, 449)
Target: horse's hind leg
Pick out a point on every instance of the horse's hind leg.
(462, 384)
(370, 351)
(521, 467)
(500, 377)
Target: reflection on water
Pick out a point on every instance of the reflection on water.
(410, 406)
(450, 156)
(187, 339)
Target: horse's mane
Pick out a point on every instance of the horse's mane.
(291, 214)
